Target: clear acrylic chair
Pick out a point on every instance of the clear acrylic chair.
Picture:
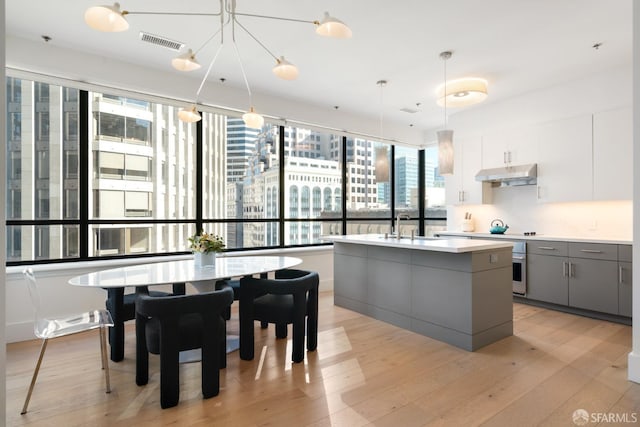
(54, 328)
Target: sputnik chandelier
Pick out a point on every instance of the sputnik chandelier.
(112, 19)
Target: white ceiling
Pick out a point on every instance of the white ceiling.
(517, 45)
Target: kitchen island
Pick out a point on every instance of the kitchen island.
(453, 290)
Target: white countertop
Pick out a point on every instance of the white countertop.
(421, 243)
(508, 236)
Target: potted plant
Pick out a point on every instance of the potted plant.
(205, 246)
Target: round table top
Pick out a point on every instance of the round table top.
(169, 272)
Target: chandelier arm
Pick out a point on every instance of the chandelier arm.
(222, 25)
(209, 40)
(208, 72)
(278, 18)
(244, 75)
(232, 11)
(256, 39)
(126, 12)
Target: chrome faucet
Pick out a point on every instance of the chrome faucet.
(398, 218)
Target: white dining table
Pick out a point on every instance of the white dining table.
(185, 271)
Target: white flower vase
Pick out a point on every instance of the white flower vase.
(206, 259)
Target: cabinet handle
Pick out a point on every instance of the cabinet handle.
(459, 196)
(509, 156)
(547, 248)
(538, 192)
(620, 279)
(504, 157)
(564, 269)
(590, 251)
(572, 269)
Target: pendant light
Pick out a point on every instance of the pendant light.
(445, 136)
(106, 18)
(382, 152)
(332, 27)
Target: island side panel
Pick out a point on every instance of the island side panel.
(350, 277)
(389, 285)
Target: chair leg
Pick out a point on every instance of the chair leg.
(116, 340)
(103, 356)
(35, 376)
(281, 330)
(312, 321)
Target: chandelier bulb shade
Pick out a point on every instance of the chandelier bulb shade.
(189, 116)
(109, 19)
(462, 92)
(186, 62)
(285, 69)
(333, 27)
(253, 119)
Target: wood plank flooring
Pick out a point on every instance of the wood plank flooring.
(364, 373)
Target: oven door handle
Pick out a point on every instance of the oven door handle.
(521, 258)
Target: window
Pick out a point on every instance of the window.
(147, 182)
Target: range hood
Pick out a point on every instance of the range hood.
(509, 175)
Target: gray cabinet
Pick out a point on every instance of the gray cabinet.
(593, 277)
(625, 280)
(581, 275)
(547, 279)
(593, 285)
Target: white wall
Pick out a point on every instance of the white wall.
(3, 249)
(518, 206)
(59, 298)
(634, 356)
(51, 60)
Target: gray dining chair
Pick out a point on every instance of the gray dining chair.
(170, 324)
(290, 298)
(49, 328)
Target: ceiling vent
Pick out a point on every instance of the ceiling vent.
(161, 41)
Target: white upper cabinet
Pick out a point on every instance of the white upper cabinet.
(509, 147)
(462, 188)
(613, 155)
(565, 160)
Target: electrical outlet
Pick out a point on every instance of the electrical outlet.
(594, 225)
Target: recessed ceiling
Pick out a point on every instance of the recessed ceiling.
(517, 45)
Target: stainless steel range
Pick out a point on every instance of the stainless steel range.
(519, 267)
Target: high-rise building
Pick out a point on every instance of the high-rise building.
(140, 167)
(241, 143)
(406, 181)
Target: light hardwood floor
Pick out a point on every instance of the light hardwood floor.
(364, 373)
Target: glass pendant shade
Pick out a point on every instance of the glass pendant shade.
(332, 27)
(106, 18)
(253, 119)
(462, 92)
(382, 164)
(190, 116)
(445, 152)
(186, 62)
(285, 69)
